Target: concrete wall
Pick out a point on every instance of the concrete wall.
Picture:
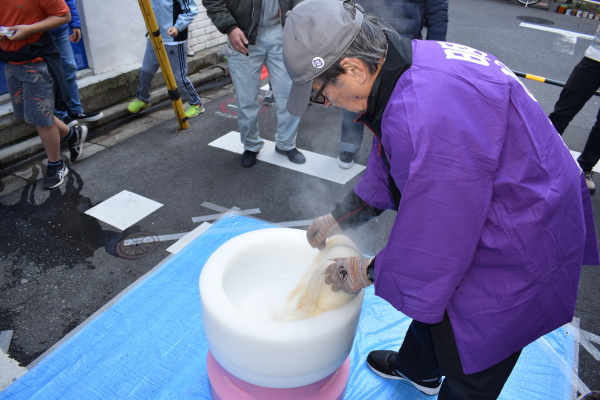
(114, 32)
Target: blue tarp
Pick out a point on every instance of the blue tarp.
(151, 345)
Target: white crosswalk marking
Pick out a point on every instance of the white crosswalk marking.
(316, 164)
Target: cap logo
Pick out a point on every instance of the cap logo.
(318, 62)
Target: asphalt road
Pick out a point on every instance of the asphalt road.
(60, 265)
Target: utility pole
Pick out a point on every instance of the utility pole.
(163, 60)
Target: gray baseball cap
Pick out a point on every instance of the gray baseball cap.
(316, 34)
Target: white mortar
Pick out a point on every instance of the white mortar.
(246, 281)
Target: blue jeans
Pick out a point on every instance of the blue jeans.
(352, 133)
(61, 38)
(177, 55)
(245, 72)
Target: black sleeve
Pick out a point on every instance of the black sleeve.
(219, 15)
(436, 19)
(353, 212)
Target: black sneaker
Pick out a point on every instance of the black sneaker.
(55, 175)
(345, 159)
(293, 155)
(70, 122)
(382, 363)
(249, 158)
(76, 143)
(87, 117)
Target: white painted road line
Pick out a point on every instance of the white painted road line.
(316, 164)
(218, 208)
(567, 40)
(556, 30)
(5, 338)
(213, 217)
(123, 209)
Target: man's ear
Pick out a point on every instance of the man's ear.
(355, 68)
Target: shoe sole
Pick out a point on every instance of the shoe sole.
(344, 165)
(62, 179)
(81, 142)
(92, 119)
(72, 124)
(426, 390)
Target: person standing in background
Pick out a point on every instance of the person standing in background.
(580, 87)
(408, 18)
(75, 113)
(36, 79)
(254, 33)
(173, 18)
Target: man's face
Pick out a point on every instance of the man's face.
(345, 92)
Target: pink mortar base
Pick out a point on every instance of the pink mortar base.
(225, 386)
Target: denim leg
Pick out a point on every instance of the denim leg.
(580, 87)
(149, 67)
(352, 132)
(245, 73)
(178, 59)
(287, 124)
(61, 38)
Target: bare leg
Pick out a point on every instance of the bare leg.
(50, 136)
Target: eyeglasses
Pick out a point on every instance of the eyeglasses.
(317, 97)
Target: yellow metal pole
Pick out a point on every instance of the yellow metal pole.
(163, 60)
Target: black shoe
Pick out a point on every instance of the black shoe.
(70, 122)
(249, 158)
(293, 155)
(55, 175)
(345, 159)
(77, 141)
(87, 117)
(268, 99)
(382, 363)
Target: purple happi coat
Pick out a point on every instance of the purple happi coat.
(495, 219)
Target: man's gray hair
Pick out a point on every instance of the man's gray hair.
(369, 46)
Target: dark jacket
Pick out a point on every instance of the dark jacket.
(227, 15)
(409, 17)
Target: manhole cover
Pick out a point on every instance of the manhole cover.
(137, 245)
(535, 20)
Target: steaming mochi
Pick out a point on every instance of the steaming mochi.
(312, 295)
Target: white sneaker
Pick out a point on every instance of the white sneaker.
(345, 159)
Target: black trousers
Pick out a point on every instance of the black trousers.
(580, 87)
(429, 352)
